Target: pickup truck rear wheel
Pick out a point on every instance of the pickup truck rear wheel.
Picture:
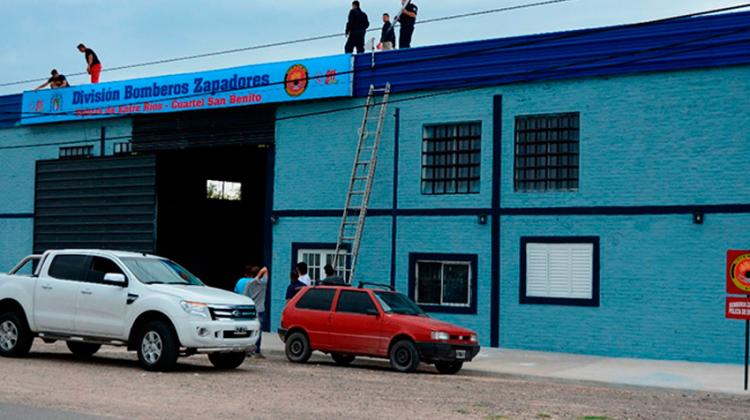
(15, 335)
(158, 348)
(226, 361)
(298, 348)
(404, 356)
(342, 359)
(83, 350)
(448, 368)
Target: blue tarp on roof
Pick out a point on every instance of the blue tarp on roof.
(10, 110)
(690, 43)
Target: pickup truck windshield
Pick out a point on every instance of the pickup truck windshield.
(396, 303)
(160, 271)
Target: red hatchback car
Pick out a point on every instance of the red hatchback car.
(346, 322)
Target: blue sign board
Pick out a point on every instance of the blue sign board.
(316, 78)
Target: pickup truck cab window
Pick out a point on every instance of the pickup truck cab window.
(355, 303)
(317, 299)
(69, 267)
(159, 271)
(100, 267)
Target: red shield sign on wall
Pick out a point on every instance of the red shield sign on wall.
(738, 272)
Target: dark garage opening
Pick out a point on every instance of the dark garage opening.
(213, 235)
(210, 210)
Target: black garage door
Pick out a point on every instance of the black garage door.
(103, 203)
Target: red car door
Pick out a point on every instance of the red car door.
(313, 312)
(356, 324)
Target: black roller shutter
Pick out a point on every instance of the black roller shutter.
(220, 127)
(102, 203)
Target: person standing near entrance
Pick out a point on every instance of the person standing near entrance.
(294, 285)
(356, 28)
(93, 65)
(331, 276)
(407, 20)
(255, 289)
(302, 271)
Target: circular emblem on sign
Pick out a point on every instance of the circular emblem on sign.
(739, 272)
(55, 103)
(296, 80)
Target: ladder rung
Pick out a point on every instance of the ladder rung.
(360, 178)
(357, 192)
(347, 239)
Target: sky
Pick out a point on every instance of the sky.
(38, 35)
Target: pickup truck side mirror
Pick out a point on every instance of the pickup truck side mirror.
(115, 278)
(373, 312)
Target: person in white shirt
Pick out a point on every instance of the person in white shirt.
(302, 270)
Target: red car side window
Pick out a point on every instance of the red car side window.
(355, 302)
(316, 299)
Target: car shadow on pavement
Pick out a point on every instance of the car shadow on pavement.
(371, 364)
(114, 362)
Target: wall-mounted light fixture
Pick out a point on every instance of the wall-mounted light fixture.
(698, 217)
(482, 219)
(274, 220)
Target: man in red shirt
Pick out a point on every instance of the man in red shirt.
(93, 65)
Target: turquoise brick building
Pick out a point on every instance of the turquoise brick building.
(567, 192)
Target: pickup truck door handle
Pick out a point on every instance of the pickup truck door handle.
(46, 287)
(86, 292)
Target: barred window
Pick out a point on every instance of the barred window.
(547, 152)
(74, 152)
(451, 155)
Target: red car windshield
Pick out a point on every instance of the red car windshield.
(396, 303)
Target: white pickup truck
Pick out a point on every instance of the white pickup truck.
(91, 298)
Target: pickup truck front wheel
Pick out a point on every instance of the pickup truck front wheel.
(15, 335)
(158, 348)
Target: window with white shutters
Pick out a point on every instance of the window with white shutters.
(560, 271)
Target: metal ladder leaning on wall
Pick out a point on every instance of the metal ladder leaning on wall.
(360, 183)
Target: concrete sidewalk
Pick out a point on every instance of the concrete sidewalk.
(708, 377)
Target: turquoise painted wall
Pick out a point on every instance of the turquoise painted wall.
(17, 172)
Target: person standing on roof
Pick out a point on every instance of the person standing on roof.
(93, 65)
(387, 34)
(55, 82)
(407, 20)
(356, 28)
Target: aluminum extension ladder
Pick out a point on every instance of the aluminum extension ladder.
(360, 183)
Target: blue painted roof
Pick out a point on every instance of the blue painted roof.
(700, 42)
(10, 110)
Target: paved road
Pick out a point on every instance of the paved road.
(112, 385)
(16, 411)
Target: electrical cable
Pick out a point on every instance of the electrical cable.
(460, 90)
(290, 42)
(565, 35)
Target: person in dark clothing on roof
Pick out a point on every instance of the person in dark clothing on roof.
(407, 20)
(93, 65)
(387, 34)
(56, 81)
(356, 28)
